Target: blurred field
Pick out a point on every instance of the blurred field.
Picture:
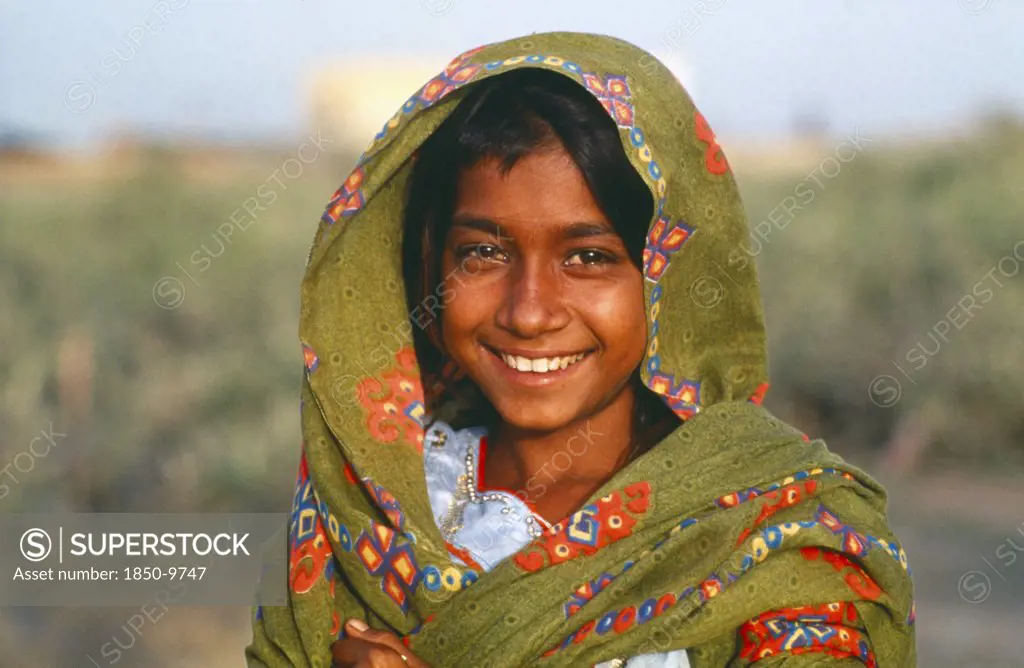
(195, 407)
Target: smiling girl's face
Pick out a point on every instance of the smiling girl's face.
(548, 312)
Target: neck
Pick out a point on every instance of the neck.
(584, 453)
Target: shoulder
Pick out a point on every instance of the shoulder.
(749, 446)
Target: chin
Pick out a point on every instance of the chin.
(536, 416)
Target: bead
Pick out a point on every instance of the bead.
(438, 438)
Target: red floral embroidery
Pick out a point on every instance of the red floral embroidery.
(386, 501)
(784, 497)
(350, 474)
(395, 402)
(335, 618)
(613, 93)
(587, 531)
(585, 592)
(583, 632)
(384, 556)
(465, 555)
(664, 240)
(309, 358)
(711, 587)
(347, 199)
(664, 603)
(457, 73)
(857, 579)
(826, 629)
(714, 158)
(309, 556)
(758, 396)
(461, 59)
(862, 584)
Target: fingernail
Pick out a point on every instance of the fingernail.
(357, 625)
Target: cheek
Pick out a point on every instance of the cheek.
(634, 318)
(467, 308)
(618, 318)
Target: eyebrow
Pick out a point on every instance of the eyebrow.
(480, 224)
(579, 230)
(584, 230)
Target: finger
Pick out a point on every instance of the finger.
(386, 639)
(361, 653)
(347, 652)
(380, 656)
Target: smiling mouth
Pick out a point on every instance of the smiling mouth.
(538, 365)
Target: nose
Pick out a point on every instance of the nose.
(534, 301)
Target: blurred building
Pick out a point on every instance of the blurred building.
(351, 100)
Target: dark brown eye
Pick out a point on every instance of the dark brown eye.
(588, 257)
(485, 252)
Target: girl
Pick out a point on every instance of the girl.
(531, 411)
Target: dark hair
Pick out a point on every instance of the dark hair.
(504, 118)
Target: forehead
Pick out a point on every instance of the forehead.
(542, 190)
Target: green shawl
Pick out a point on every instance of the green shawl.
(736, 537)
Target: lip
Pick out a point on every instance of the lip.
(529, 378)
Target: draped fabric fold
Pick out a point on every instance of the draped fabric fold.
(736, 537)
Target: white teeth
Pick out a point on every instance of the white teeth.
(541, 364)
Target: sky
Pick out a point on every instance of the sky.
(73, 73)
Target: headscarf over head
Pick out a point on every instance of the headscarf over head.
(736, 537)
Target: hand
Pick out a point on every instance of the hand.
(366, 648)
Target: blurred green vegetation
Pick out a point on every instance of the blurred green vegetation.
(187, 408)
(860, 281)
(195, 407)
